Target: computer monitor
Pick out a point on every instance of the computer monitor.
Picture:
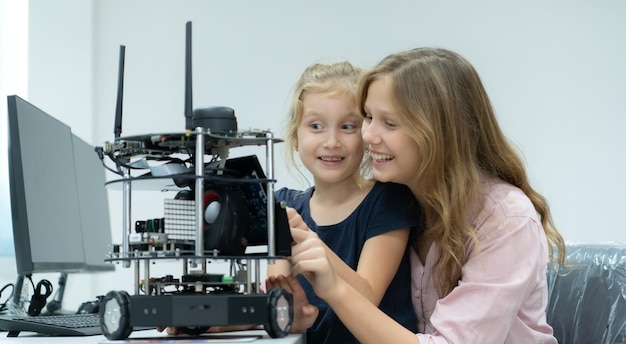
(59, 204)
(44, 196)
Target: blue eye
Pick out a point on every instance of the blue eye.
(348, 127)
(315, 126)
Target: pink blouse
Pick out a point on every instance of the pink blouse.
(502, 294)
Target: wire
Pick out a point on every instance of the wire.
(3, 305)
(41, 292)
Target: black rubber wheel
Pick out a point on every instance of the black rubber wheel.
(115, 315)
(280, 313)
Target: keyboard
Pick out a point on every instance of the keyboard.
(62, 324)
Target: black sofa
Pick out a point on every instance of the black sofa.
(587, 297)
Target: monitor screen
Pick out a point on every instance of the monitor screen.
(57, 207)
(93, 203)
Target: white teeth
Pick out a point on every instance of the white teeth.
(330, 159)
(377, 156)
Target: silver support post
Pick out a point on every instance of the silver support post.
(257, 272)
(199, 247)
(137, 273)
(126, 222)
(248, 276)
(269, 147)
(146, 276)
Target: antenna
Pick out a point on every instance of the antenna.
(117, 129)
(188, 86)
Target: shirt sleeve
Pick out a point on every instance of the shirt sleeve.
(393, 207)
(281, 195)
(501, 271)
(293, 198)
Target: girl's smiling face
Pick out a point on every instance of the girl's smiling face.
(329, 137)
(395, 154)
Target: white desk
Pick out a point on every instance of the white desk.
(154, 337)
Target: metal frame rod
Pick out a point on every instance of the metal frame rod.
(271, 235)
(199, 247)
(126, 217)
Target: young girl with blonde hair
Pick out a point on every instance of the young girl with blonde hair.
(363, 225)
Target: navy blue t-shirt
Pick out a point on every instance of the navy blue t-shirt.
(387, 207)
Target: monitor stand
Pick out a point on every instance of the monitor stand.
(15, 303)
(54, 306)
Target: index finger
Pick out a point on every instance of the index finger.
(298, 234)
(294, 218)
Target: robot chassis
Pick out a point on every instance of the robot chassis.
(204, 301)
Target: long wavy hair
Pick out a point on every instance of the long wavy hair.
(441, 100)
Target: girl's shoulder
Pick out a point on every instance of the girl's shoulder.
(391, 189)
(506, 197)
(391, 198)
(502, 202)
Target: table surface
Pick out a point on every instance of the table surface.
(153, 336)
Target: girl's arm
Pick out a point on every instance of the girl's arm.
(366, 322)
(378, 263)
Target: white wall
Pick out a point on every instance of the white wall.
(13, 80)
(61, 62)
(555, 72)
